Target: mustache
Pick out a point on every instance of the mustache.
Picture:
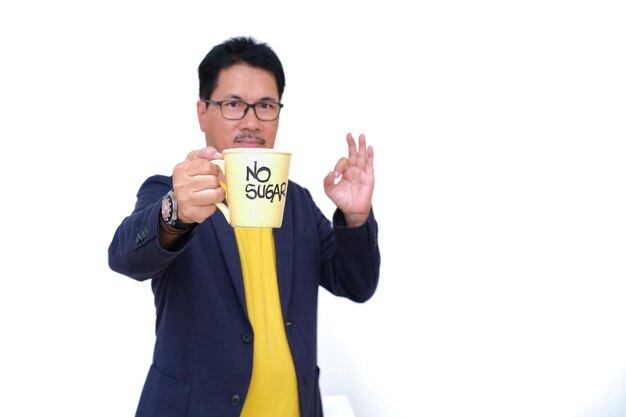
(244, 136)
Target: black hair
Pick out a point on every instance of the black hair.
(238, 50)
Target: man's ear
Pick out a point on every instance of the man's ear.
(201, 109)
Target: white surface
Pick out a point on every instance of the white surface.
(337, 406)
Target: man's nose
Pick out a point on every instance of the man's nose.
(249, 118)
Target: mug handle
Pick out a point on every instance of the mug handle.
(221, 206)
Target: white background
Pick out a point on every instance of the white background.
(498, 129)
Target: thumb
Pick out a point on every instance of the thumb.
(208, 153)
(329, 181)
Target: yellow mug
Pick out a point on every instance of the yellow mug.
(256, 186)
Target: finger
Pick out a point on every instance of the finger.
(352, 150)
(329, 181)
(362, 147)
(185, 190)
(207, 197)
(369, 166)
(203, 182)
(361, 158)
(200, 206)
(196, 167)
(340, 166)
(208, 153)
(196, 195)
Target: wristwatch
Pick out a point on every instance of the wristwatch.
(169, 213)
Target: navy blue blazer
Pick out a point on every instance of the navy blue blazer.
(202, 361)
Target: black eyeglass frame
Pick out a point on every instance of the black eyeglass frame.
(249, 106)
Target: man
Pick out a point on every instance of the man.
(236, 308)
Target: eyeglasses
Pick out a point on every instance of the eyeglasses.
(237, 109)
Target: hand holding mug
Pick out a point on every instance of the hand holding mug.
(196, 186)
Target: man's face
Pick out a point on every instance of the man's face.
(239, 82)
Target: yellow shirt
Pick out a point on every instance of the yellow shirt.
(273, 390)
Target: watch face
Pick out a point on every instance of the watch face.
(166, 208)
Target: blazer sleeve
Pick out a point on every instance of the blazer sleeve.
(351, 259)
(135, 250)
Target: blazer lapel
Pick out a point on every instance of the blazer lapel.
(226, 236)
(283, 243)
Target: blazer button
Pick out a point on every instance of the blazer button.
(235, 400)
(141, 236)
(246, 338)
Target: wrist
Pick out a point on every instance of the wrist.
(169, 216)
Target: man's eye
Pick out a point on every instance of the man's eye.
(235, 104)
